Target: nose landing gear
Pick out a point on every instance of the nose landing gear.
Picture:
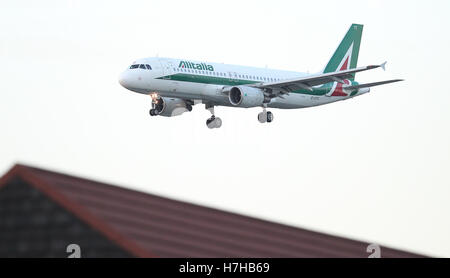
(157, 104)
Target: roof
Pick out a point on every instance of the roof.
(147, 225)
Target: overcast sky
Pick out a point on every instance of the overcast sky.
(374, 168)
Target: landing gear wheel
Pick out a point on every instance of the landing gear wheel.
(262, 117)
(209, 121)
(265, 117)
(214, 122)
(269, 116)
(189, 107)
(153, 112)
(218, 122)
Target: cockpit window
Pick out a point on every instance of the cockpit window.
(141, 66)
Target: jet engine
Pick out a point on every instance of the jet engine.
(169, 107)
(243, 96)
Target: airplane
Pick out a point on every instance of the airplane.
(175, 85)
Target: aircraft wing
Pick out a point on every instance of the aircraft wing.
(309, 81)
(372, 84)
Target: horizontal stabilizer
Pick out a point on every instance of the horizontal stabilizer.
(367, 85)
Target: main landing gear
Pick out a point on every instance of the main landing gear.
(213, 122)
(265, 116)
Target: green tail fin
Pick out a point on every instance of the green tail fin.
(346, 55)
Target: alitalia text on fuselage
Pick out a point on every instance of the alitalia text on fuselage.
(197, 66)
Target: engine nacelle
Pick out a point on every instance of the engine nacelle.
(170, 107)
(244, 96)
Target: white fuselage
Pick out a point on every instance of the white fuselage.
(205, 82)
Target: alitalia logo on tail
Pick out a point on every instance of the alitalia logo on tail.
(338, 88)
(190, 65)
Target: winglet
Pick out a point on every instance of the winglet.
(383, 65)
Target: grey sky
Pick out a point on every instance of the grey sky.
(374, 168)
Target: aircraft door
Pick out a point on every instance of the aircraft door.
(168, 69)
